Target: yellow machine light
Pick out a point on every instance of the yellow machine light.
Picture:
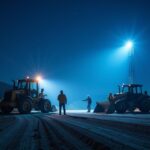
(39, 78)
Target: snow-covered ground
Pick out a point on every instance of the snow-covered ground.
(76, 130)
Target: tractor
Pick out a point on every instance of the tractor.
(129, 97)
(24, 96)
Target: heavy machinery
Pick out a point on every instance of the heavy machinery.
(24, 96)
(129, 97)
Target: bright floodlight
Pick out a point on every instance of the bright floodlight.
(129, 45)
(27, 77)
(39, 78)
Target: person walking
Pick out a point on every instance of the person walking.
(89, 102)
(62, 102)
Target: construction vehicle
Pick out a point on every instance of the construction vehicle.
(129, 97)
(24, 96)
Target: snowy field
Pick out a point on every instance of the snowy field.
(76, 130)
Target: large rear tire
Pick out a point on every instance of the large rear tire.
(120, 107)
(45, 106)
(24, 106)
(145, 106)
(131, 107)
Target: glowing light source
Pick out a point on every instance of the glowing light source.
(27, 77)
(129, 45)
(39, 78)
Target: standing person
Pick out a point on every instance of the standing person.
(145, 93)
(62, 102)
(111, 98)
(42, 95)
(89, 102)
(111, 108)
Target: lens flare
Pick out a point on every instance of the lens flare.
(38, 78)
(129, 45)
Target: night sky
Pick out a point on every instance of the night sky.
(74, 44)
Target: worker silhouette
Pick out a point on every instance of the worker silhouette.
(62, 102)
(89, 102)
(145, 93)
(111, 98)
(111, 108)
(42, 95)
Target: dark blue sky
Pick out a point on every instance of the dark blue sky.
(73, 43)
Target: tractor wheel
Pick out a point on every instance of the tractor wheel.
(131, 107)
(121, 107)
(25, 106)
(6, 109)
(144, 106)
(45, 106)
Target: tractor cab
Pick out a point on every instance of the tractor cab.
(131, 97)
(132, 88)
(29, 87)
(130, 92)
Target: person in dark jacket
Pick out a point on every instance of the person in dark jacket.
(41, 94)
(62, 102)
(89, 102)
(111, 108)
(111, 98)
